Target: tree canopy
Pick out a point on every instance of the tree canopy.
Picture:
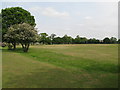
(23, 34)
(15, 15)
(46, 39)
(106, 40)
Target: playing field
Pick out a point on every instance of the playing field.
(62, 66)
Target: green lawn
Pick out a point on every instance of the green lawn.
(62, 66)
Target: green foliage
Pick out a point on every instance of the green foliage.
(119, 41)
(46, 39)
(77, 39)
(58, 40)
(106, 40)
(15, 15)
(10, 46)
(67, 39)
(52, 36)
(21, 33)
(80, 40)
(43, 38)
(93, 41)
(113, 40)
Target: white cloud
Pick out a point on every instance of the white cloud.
(35, 10)
(54, 13)
(49, 11)
(88, 17)
(80, 24)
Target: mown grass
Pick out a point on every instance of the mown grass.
(62, 66)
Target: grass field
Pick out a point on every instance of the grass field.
(62, 66)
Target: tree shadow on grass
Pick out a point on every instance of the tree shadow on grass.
(17, 50)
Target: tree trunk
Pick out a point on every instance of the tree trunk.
(25, 47)
(14, 45)
(22, 45)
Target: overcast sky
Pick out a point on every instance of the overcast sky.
(87, 19)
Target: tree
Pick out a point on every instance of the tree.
(23, 33)
(43, 37)
(93, 41)
(113, 40)
(58, 40)
(10, 37)
(77, 40)
(83, 40)
(52, 36)
(15, 15)
(67, 39)
(118, 41)
(106, 40)
(48, 40)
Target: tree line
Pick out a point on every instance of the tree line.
(44, 38)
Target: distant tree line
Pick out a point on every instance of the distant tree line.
(44, 38)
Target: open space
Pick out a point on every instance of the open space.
(62, 66)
